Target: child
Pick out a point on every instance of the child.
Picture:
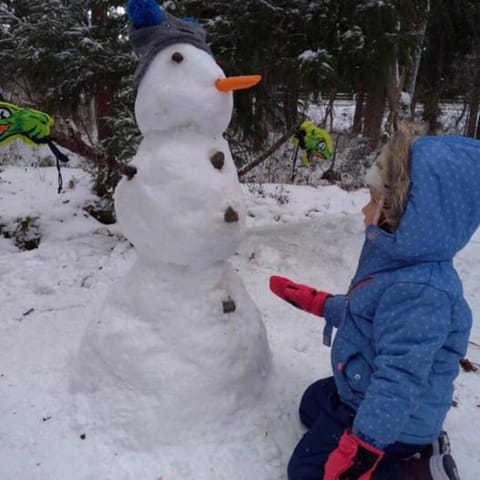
(403, 326)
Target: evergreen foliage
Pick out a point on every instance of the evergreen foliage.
(55, 55)
(452, 34)
(72, 58)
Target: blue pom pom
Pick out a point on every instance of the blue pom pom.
(144, 13)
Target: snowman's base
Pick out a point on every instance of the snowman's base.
(171, 352)
(255, 442)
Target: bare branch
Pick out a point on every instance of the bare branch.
(268, 152)
(74, 143)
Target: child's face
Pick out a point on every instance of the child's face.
(371, 208)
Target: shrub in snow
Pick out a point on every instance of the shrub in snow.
(25, 232)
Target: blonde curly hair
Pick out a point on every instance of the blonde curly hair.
(390, 176)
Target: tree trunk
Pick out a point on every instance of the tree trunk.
(415, 58)
(393, 91)
(374, 110)
(104, 88)
(358, 115)
(290, 103)
(431, 107)
(328, 117)
(473, 118)
(104, 96)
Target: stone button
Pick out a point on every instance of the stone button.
(218, 160)
(231, 215)
(229, 306)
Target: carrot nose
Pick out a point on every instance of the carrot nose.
(237, 83)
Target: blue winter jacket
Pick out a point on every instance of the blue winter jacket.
(404, 324)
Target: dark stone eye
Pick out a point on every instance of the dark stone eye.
(4, 113)
(177, 57)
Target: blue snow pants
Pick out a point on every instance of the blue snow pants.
(326, 418)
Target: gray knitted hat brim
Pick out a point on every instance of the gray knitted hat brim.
(149, 41)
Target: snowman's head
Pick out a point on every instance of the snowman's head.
(179, 84)
(176, 74)
(178, 90)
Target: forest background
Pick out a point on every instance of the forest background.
(393, 59)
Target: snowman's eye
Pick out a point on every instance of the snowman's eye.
(177, 57)
(4, 113)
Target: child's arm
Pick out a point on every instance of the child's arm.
(300, 296)
(323, 304)
(411, 324)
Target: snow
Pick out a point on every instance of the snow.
(50, 295)
(311, 55)
(170, 359)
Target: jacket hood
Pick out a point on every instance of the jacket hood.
(442, 210)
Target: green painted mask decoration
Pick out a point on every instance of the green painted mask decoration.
(30, 126)
(315, 142)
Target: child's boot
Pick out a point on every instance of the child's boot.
(440, 446)
(436, 467)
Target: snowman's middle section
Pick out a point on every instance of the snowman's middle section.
(185, 206)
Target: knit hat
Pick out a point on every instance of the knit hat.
(153, 29)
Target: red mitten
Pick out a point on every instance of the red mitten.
(353, 459)
(300, 296)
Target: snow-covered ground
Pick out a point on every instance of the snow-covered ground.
(49, 295)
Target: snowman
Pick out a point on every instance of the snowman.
(179, 350)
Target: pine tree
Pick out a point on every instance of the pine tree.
(451, 37)
(472, 16)
(67, 58)
(373, 39)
